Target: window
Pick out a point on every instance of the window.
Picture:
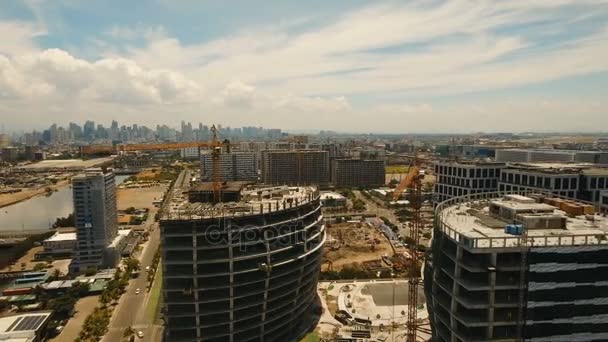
(602, 183)
(517, 179)
(593, 183)
(547, 183)
(558, 183)
(485, 173)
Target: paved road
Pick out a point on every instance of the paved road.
(131, 309)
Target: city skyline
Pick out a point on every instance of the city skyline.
(390, 67)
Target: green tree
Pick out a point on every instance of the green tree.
(90, 271)
(39, 266)
(132, 264)
(127, 333)
(79, 289)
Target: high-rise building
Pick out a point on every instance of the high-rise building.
(94, 196)
(4, 140)
(483, 284)
(244, 270)
(548, 155)
(235, 166)
(358, 173)
(303, 167)
(465, 178)
(577, 181)
(89, 130)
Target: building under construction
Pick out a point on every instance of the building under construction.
(244, 270)
(513, 267)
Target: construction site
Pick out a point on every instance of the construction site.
(241, 261)
(356, 243)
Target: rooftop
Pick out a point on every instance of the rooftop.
(22, 327)
(61, 237)
(481, 223)
(226, 186)
(554, 168)
(471, 162)
(547, 150)
(67, 164)
(331, 195)
(254, 200)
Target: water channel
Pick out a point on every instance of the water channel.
(39, 212)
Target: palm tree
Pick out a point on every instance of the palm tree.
(127, 333)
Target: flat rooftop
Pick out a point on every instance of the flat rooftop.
(570, 168)
(66, 164)
(62, 237)
(474, 222)
(471, 162)
(22, 327)
(332, 195)
(254, 200)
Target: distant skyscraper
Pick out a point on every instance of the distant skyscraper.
(94, 195)
(89, 130)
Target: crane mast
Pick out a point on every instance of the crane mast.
(413, 182)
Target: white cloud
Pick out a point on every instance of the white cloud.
(328, 76)
(461, 51)
(58, 76)
(17, 38)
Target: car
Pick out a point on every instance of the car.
(147, 268)
(140, 334)
(137, 291)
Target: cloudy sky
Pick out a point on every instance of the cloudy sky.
(359, 66)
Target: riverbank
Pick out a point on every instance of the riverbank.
(10, 199)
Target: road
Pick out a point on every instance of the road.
(380, 211)
(131, 309)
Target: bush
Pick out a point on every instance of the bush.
(39, 266)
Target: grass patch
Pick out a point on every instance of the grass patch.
(154, 304)
(312, 337)
(397, 168)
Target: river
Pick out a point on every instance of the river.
(40, 212)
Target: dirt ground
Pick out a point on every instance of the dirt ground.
(8, 199)
(355, 246)
(28, 259)
(148, 174)
(400, 176)
(139, 197)
(83, 308)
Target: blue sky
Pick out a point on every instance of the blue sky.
(364, 66)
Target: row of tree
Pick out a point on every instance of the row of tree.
(96, 324)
